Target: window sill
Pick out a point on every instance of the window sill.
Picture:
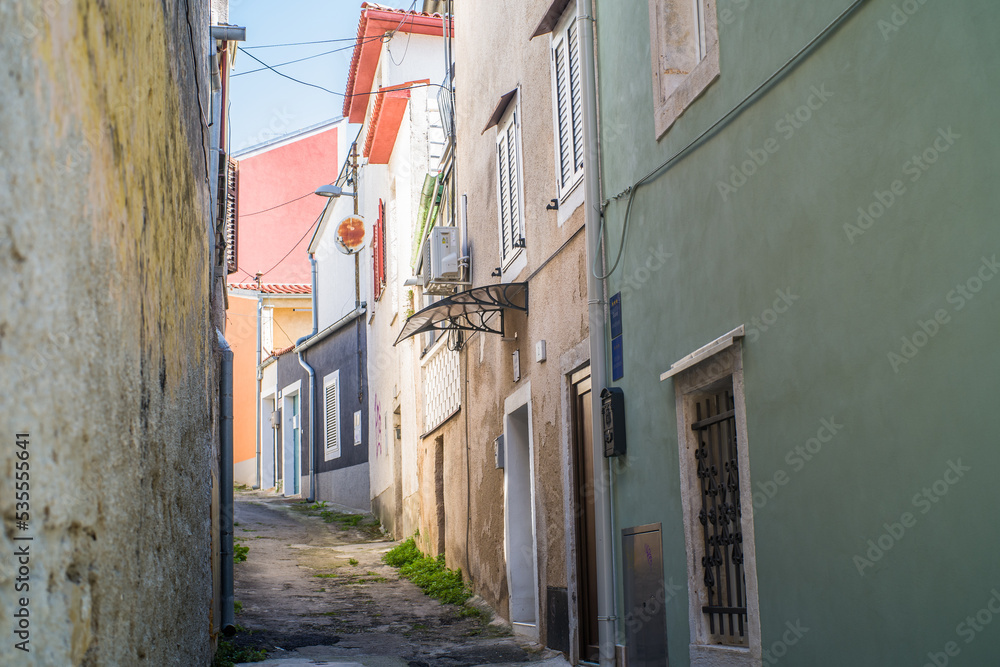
(569, 201)
(514, 266)
(722, 656)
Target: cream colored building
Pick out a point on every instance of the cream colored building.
(508, 467)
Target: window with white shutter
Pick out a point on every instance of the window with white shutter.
(567, 97)
(509, 186)
(331, 416)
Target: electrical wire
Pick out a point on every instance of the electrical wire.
(291, 249)
(318, 41)
(785, 68)
(373, 92)
(247, 215)
(304, 83)
(289, 62)
(409, 34)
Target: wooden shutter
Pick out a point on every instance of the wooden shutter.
(568, 110)
(378, 252)
(508, 190)
(563, 113)
(229, 196)
(331, 411)
(576, 94)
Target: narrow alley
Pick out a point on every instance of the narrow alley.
(314, 590)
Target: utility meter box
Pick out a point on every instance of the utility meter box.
(613, 421)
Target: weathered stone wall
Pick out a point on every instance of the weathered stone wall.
(106, 345)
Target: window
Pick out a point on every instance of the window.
(378, 253)
(684, 43)
(718, 510)
(509, 186)
(567, 97)
(331, 416)
(267, 330)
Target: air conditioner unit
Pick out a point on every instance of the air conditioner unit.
(440, 271)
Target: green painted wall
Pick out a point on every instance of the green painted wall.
(853, 297)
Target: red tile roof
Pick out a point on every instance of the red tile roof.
(276, 288)
(375, 22)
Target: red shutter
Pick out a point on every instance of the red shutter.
(378, 252)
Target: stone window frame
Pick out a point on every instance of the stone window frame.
(684, 46)
(725, 364)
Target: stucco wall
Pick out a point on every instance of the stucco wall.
(105, 340)
(493, 49)
(701, 259)
(241, 333)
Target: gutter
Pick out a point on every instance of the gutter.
(226, 485)
(305, 343)
(606, 603)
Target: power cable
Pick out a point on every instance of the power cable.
(247, 215)
(296, 245)
(304, 83)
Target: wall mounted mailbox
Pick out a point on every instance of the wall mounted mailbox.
(613, 421)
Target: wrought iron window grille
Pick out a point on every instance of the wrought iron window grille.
(721, 518)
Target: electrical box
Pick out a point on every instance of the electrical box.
(498, 451)
(613, 421)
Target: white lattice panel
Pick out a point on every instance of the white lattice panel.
(442, 388)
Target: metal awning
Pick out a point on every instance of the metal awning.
(471, 310)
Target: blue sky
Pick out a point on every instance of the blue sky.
(265, 105)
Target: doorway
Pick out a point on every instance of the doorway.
(292, 441)
(586, 544)
(519, 517)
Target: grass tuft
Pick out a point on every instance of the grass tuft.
(429, 574)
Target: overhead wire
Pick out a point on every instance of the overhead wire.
(291, 201)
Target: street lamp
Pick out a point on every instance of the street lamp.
(333, 191)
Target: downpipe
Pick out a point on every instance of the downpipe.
(313, 402)
(260, 312)
(226, 485)
(606, 604)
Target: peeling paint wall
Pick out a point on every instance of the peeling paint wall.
(106, 341)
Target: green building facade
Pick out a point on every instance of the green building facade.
(830, 190)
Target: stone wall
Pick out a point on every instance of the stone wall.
(106, 340)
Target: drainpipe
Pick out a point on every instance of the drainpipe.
(260, 376)
(313, 403)
(606, 606)
(226, 485)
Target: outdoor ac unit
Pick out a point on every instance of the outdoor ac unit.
(440, 261)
